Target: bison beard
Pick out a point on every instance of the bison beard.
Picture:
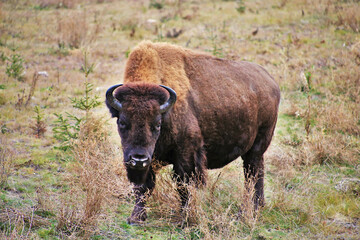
(224, 109)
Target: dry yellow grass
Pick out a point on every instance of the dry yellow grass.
(97, 179)
(6, 160)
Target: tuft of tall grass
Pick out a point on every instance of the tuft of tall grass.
(94, 181)
(348, 17)
(215, 211)
(72, 29)
(75, 29)
(6, 160)
(19, 223)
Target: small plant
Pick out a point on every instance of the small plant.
(39, 7)
(156, 4)
(4, 129)
(240, 6)
(39, 127)
(67, 128)
(14, 67)
(216, 50)
(86, 103)
(21, 96)
(61, 50)
(3, 57)
(308, 80)
(127, 53)
(159, 33)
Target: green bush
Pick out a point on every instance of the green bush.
(14, 67)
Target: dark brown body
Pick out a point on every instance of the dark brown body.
(225, 109)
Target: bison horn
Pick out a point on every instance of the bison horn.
(170, 102)
(111, 100)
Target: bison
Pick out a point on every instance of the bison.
(194, 111)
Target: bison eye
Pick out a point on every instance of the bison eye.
(122, 124)
(157, 126)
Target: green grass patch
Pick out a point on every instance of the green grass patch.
(330, 203)
(47, 233)
(3, 99)
(285, 219)
(44, 213)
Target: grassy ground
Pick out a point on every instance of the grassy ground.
(312, 183)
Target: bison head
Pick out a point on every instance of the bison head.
(139, 109)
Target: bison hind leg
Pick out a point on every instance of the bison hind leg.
(254, 165)
(254, 179)
(190, 170)
(200, 167)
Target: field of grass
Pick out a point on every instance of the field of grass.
(61, 172)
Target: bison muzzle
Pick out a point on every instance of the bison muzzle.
(193, 111)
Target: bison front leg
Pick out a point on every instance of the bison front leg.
(142, 192)
(139, 213)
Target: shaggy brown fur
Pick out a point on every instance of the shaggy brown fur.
(225, 109)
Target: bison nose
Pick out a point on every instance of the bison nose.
(138, 161)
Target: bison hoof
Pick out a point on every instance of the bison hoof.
(137, 218)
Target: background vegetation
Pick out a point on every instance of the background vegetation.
(61, 172)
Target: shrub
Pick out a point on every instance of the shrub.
(240, 6)
(67, 128)
(14, 67)
(156, 4)
(39, 127)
